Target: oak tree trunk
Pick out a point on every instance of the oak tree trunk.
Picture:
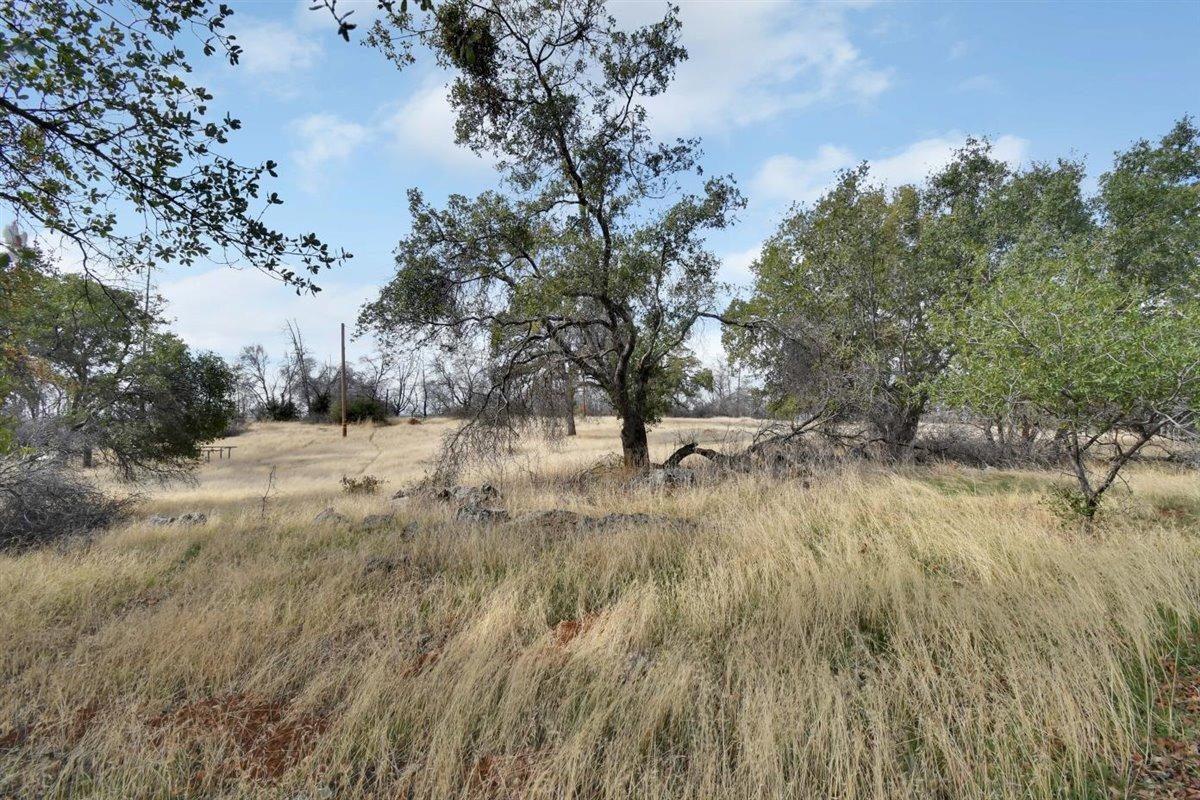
(634, 446)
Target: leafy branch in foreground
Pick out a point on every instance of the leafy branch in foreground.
(104, 142)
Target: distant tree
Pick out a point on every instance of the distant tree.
(100, 375)
(847, 292)
(104, 141)
(270, 391)
(1092, 356)
(582, 260)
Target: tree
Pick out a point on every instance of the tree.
(21, 267)
(1093, 356)
(847, 292)
(1149, 203)
(100, 375)
(103, 140)
(271, 391)
(581, 259)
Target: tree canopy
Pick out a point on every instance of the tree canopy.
(593, 251)
(845, 292)
(105, 142)
(98, 374)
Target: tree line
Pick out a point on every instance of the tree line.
(1006, 293)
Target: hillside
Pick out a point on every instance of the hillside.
(935, 632)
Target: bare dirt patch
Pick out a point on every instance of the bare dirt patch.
(262, 738)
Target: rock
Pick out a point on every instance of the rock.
(555, 519)
(329, 515)
(189, 518)
(469, 495)
(481, 515)
(374, 521)
(667, 478)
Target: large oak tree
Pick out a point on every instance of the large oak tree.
(593, 252)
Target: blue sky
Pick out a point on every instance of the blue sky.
(783, 94)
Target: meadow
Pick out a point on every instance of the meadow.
(867, 633)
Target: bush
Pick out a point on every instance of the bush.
(360, 409)
(279, 411)
(367, 484)
(42, 500)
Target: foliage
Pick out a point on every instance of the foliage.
(107, 144)
(21, 266)
(579, 261)
(846, 291)
(1150, 204)
(279, 411)
(365, 484)
(1093, 357)
(360, 409)
(99, 374)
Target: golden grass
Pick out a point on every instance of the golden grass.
(932, 634)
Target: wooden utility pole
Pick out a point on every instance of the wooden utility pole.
(343, 380)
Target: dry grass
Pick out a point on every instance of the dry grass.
(934, 634)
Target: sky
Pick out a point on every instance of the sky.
(783, 95)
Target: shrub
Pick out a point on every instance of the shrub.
(42, 500)
(367, 484)
(360, 409)
(279, 411)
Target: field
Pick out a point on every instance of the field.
(929, 632)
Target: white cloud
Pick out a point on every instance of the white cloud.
(326, 139)
(959, 49)
(801, 179)
(786, 177)
(424, 124)
(272, 48)
(754, 61)
(224, 309)
(735, 267)
(915, 162)
(422, 127)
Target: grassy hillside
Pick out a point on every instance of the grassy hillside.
(930, 634)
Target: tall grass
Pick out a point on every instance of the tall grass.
(870, 636)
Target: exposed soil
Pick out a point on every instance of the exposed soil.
(566, 631)
(264, 740)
